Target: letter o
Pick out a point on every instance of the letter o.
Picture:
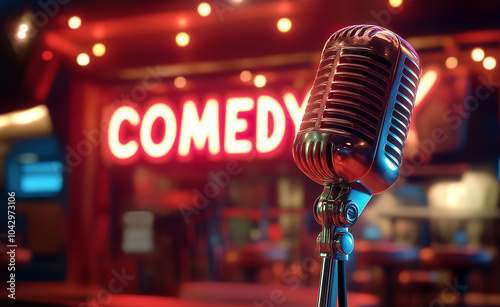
(164, 112)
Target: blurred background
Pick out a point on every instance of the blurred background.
(148, 144)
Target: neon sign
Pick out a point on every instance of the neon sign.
(240, 126)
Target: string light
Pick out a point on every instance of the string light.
(284, 25)
(182, 39)
(489, 63)
(451, 62)
(98, 49)
(74, 22)
(260, 81)
(245, 76)
(204, 9)
(477, 54)
(83, 59)
(180, 82)
(23, 28)
(395, 3)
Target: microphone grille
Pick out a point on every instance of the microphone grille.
(357, 94)
(350, 89)
(319, 87)
(401, 114)
(356, 30)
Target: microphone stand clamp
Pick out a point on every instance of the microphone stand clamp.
(336, 209)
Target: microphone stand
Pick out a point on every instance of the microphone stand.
(335, 211)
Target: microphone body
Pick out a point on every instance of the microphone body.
(359, 110)
(352, 136)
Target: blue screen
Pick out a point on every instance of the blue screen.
(41, 177)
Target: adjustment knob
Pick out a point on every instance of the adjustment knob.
(347, 214)
(344, 243)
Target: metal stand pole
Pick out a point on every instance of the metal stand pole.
(335, 213)
(342, 284)
(327, 295)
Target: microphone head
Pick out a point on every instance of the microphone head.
(359, 110)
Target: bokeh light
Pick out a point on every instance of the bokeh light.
(182, 39)
(489, 63)
(98, 49)
(180, 82)
(451, 62)
(260, 81)
(284, 25)
(83, 59)
(395, 3)
(245, 76)
(74, 22)
(477, 54)
(204, 9)
(47, 55)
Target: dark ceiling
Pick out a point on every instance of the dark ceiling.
(141, 33)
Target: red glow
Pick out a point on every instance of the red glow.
(267, 105)
(235, 125)
(164, 112)
(426, 84)
(47, 55)
(199, 130)
(119, 149)
(251, 126)
(295, 111)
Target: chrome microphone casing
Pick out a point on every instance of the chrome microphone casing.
(352, 136)
(359, 110)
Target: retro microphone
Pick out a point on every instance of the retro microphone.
(352, 135)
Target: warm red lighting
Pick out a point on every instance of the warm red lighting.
(161, 148)
(235, 125)
(296, 111)
(426, 254)
(47, 55)
(200, 130)
(404, 277)
(119, 149)
(412, 138)
(267, 105)
(426, 83)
